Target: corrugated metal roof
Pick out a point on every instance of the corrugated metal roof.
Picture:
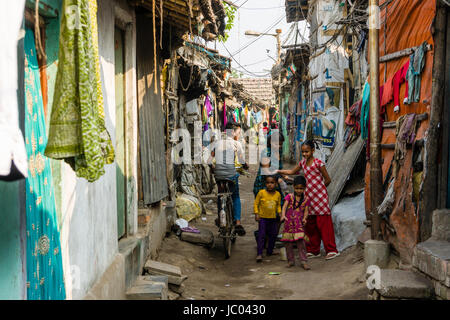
(259, 88)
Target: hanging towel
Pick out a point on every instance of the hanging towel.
(77, 130)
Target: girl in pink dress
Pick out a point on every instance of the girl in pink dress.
(294, 214)
(319, 225)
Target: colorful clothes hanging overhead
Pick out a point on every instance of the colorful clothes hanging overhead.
(77, 130)
(44, 262)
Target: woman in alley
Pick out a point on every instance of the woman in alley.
(319, 226)
(294, 214)
(266, 206)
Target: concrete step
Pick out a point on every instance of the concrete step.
(401, 284)
(432, 257)
(172, 272)
(149, 288)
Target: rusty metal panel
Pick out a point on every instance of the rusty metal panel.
(339, 167)
(151, 118)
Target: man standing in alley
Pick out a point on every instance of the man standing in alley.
(226, 151)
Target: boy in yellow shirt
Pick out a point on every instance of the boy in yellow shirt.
(266, 206)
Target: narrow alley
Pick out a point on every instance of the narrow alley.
(126, 124)
(211, 276)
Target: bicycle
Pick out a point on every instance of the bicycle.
(226, 220)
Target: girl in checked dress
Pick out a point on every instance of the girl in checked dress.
(319, 225)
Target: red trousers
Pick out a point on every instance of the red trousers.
(320, 228)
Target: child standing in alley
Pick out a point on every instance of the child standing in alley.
(266, 206)
(319, 225)
(294, 214)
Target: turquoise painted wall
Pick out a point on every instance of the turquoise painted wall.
(12, 284)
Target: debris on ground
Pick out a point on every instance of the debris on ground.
(159, 268)
(188, 207)
(203, 237)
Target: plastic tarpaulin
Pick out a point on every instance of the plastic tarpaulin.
(328, 66)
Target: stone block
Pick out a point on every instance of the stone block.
(441, 225)
(376, 253)
(205, 237)
(404, 285)
(172, 272)
(148, 291)
(160, 279)
(432, 257)
(162, 268)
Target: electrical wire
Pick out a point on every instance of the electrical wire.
(264, 8)
(259, 37)
(247, 71)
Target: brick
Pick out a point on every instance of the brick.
(143, 220)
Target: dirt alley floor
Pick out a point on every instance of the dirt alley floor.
(212, 277)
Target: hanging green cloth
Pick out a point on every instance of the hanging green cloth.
(77, 130)
(45, 278)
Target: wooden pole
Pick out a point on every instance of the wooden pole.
(376, 180)
(432, 144)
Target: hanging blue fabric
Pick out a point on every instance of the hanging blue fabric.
(45, 278)
(365, 111)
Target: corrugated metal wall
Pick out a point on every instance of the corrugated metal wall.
(151, 119)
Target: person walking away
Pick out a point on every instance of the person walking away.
(266, 206)
(225, 152)
(319, 225)
(294, 214)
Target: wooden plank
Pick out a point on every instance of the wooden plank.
(391, 146)
(392, 124)
(339, 167)
(401, 53)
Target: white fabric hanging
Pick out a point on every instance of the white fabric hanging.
(11, 142)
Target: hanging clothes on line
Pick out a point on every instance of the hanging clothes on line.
(13, 156)
(416, 65)
(44, 261)
(77, 130)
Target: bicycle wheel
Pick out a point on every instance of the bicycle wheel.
(227, 240)
(227, 246)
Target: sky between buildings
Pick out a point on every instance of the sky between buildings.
(259, 15)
